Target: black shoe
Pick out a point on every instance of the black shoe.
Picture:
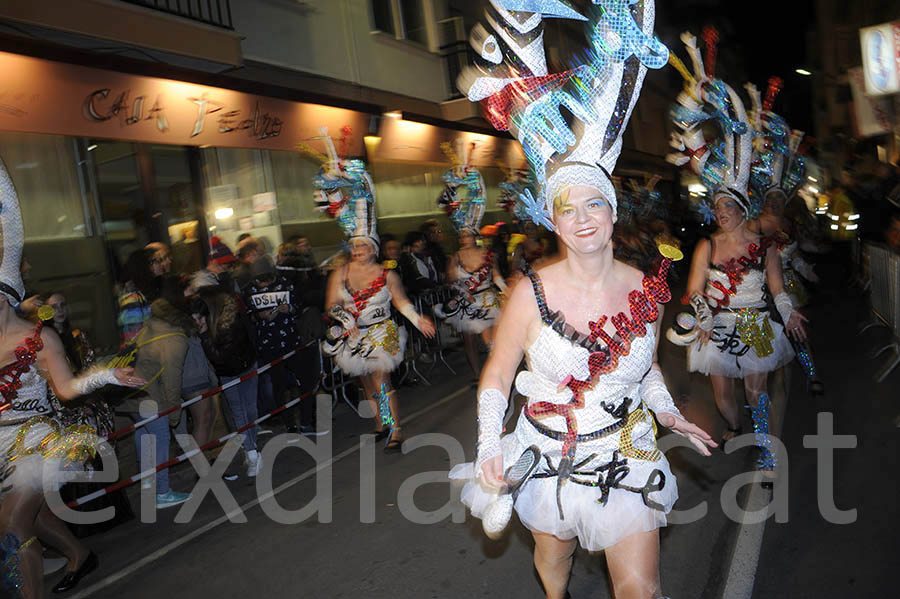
(71, 580)
(380, 435)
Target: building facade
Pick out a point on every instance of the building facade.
(129, 121)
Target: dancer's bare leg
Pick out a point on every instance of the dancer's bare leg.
(18, 513)
(553, 560)
(470, 345)
(633, 566)
(723, 392)
(53, 532)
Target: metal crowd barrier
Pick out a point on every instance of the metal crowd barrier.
(884, 280)
(421, 349)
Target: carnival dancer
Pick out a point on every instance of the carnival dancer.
(778, 172)
(472, 271)
(38, 453)
(366, 342)
(587, 324)
(727, 285)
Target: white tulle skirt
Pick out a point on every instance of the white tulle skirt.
(472, 319)
(378, 348)
(728, 354)
(42, 449)
(595, 525)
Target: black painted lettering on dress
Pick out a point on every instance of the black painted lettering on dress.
(29, 405)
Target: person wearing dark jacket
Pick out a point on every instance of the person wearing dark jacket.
(417, 269)
(275, 305)
(227, 338)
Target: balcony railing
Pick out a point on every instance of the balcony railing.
(211, 12)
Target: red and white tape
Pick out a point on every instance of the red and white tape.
(189, 454)
(202, 396)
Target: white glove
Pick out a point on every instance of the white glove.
(343, 316)
(491, 409)
(656, 395)
(784, 306)
(702, 311)
(806, 270)
(411, 315)
(91, 381)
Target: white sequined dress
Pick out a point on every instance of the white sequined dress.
(621, 484)
(32, 441)
(380, 344)
(746, 317)
(478, 315)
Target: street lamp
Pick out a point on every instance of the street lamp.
(803, 72)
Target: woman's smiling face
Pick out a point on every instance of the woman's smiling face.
(584, 218)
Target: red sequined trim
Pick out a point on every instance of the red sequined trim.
(481, 273)
(26, 355)
(644, 312)
(361, 298)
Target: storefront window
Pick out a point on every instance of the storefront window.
(241, 196)
(293, 174)
(44, 170)
(179, 208)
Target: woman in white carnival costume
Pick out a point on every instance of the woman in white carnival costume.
(472, 271)
(366, 342)
(587, 324)
(737, 336)
(778, 172)
(38, 453)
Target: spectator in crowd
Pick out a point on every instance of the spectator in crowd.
(434, 238)
(417, 268)
(391, 252)
(140, 289)
(499, 245)
(161, 260)
(892, 232)
(198, 376)
(242, 237)
(75, 341)
(227, 338)
(297, 265)
(162, 345)
(248, 250)
(274, 305)
(531, 249)
(218, 269)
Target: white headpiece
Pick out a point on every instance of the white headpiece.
(723, 165)
(344, 190)
(510, 78)
(465, 214)
(13, 237)
(777, 163)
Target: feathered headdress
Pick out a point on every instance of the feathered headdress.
(510, 78)
(344, 190)
(777, 163)
(465, 213)
(12, 233)
(722, 164)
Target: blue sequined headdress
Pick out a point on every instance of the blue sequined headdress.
(777, 162)
(465, 213)
(344, 190)
(723, 164)
(511, 80)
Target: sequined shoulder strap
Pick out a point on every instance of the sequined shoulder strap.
(539, 296)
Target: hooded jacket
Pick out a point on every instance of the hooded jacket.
(163, 344)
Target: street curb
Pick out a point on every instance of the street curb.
(741, 572)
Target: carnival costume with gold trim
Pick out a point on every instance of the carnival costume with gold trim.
(344, 190)
(475, 306)
(590, 394)
(746, 339)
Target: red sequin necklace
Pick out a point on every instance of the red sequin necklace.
(481, 273)
(26, 356)
(736, 269)
(644, 312)
(361, 298)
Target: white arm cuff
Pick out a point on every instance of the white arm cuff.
(656, 395)
(702, 311)
(491, 409)
(92, 381)
(784, 306)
